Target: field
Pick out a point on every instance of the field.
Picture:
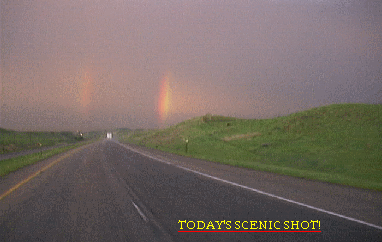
(338, 143)
(13, 164)
(13, 141)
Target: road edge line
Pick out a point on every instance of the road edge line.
(255, 190)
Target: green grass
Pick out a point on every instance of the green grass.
(13, 164)
(338, 143)
(12, 141)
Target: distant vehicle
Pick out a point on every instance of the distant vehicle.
(109, 135)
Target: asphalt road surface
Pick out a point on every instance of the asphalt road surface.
(106, 192)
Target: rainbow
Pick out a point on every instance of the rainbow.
(86, 90)
(164, 99)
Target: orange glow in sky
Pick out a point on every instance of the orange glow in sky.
(164, 99)
(86, 90)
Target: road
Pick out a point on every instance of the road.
(107, 192)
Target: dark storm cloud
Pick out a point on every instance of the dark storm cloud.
(99, 64)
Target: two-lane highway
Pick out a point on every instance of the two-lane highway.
(106, 192)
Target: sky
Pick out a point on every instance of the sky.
(98, 64)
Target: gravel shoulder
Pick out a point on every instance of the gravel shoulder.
(361, 204)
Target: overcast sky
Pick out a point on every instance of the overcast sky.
(98, 64)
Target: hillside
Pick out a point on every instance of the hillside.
(338, 143)
(12, 141)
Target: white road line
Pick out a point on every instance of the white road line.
(257, 191)
(140, 212)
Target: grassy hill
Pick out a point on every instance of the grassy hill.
(12, 141)
(338, 143)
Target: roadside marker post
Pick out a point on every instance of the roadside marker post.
(40, 148)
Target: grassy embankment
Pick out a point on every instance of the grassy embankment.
(339, 143)
(30, 140)
(13, 141)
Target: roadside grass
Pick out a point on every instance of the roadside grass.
(13, 164)
(12, 141)
(338, 143)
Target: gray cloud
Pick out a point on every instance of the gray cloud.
(95, 64)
